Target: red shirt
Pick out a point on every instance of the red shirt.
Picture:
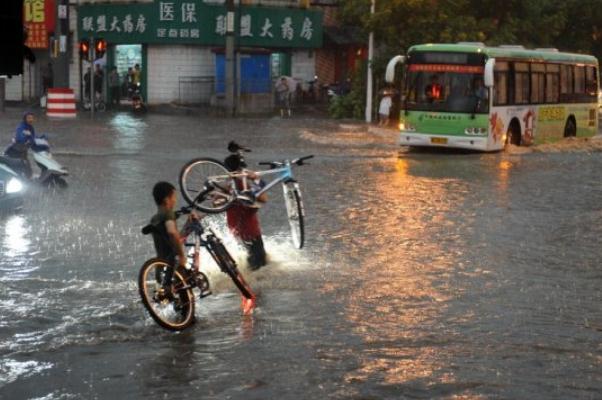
(243, 222)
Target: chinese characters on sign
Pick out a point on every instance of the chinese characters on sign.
(192, 21)
(287, 29)
(38, 18)
(126, 25)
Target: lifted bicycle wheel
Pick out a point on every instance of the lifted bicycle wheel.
(205, 185)
(173, 310)
(228, 266)
(295, 212)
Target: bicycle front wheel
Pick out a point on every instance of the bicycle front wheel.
(171, 307)
(206, 185)
(228, 266)
(295, 213)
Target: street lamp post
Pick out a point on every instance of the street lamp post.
(370, 59)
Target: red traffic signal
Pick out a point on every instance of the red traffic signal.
(100, 48)
(84, 50)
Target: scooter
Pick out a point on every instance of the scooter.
(138, 106)
(52, 172)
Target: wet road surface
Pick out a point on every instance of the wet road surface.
(425, 274)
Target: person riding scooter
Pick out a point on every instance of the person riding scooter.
(16, 156)
(24, 138)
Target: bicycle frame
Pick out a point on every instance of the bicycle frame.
(285, 174)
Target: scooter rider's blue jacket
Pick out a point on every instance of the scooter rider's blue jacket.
(25, 134)
(24, 138)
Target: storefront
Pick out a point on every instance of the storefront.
(39, 23)
(179, 46)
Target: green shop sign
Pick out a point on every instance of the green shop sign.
(194, 22)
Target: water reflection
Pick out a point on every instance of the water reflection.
(130, 132)
(16, 241)
(405, 246)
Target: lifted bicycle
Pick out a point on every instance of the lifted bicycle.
(207, 185)
(172, 305)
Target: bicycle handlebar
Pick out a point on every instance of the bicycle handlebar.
(275, 164)
(299, 161)
(183, 210)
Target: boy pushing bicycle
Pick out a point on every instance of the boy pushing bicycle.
(168, 241)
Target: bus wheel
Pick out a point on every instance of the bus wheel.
(513, 135)
(570, 129)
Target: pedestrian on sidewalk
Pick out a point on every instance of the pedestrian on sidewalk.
(114, 87)
(47, 78)
(283, 96)
(385, 108)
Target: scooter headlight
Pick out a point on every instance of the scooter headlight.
(14, 186)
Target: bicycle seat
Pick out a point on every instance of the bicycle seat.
(148, 229)
(234, 147)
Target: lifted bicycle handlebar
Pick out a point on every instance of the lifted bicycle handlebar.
(276, 164)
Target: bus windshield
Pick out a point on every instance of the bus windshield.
(446, 88)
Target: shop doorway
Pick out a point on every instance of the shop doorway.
(128, 59)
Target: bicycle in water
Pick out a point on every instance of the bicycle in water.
(207, 185)
(172, 304)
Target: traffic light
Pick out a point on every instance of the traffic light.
(101, 47)
(84, 49)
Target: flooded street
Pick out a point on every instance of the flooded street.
(424, 275)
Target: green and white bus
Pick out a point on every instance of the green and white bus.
(471, 96)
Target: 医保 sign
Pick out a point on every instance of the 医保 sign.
(193, 22)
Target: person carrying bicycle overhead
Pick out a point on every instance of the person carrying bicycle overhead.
(242, 219)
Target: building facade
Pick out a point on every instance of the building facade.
(179, 47)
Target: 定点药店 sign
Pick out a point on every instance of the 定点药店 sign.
(194, 22)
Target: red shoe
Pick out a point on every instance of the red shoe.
(247, 305)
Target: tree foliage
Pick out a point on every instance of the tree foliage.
(569, 25)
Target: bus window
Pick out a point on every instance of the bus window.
(590, 81)
(500, 94)
(500, 86)
(521, 83)
(537, 83)
(552, 83)
(580, 80)
(566, 79)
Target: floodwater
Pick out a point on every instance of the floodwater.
(425, 274)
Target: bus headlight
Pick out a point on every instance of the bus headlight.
(475, 131)
(14, 186)
(405, 126)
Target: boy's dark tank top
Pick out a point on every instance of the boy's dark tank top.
(163, 245)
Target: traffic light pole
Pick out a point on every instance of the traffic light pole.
(92, 58)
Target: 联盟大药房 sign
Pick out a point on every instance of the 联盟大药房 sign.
(194, 22)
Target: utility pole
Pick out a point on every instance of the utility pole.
(61, 62)
(370, 59)
(230, 72)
